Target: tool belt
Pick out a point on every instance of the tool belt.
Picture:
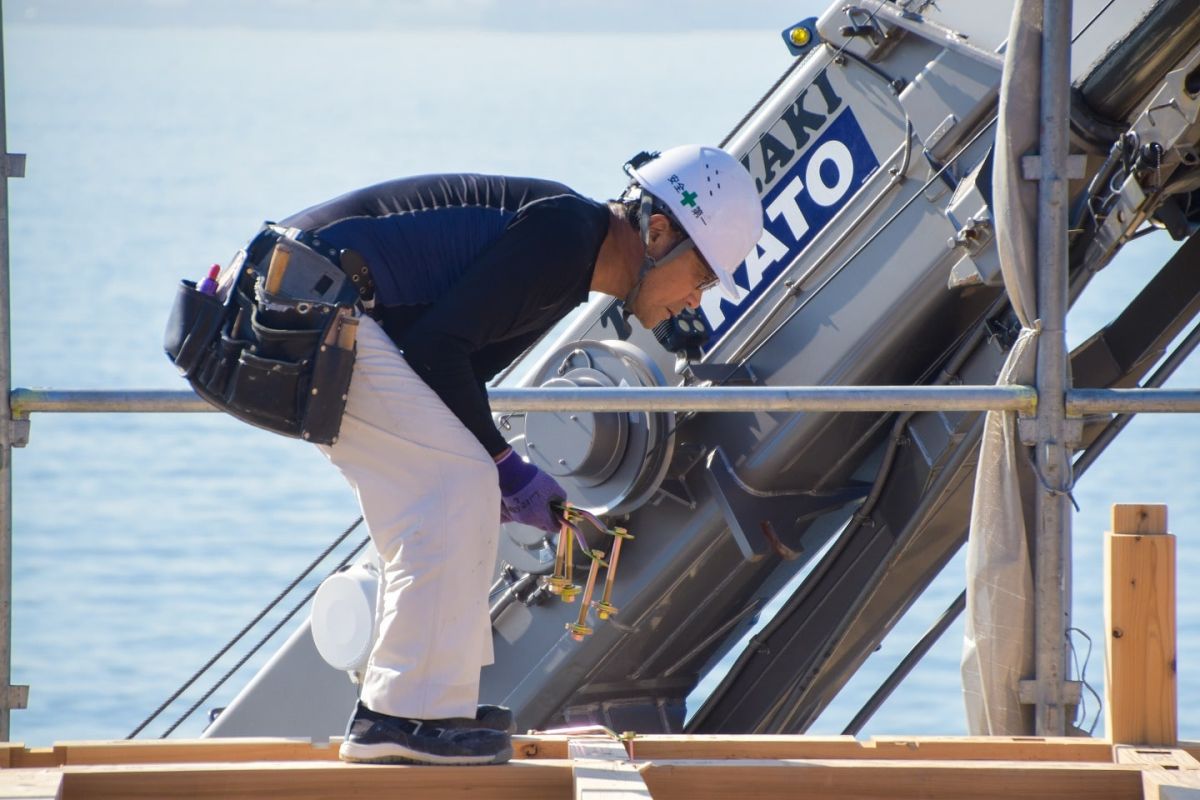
(275, 346)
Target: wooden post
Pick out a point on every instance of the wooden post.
(1139, 614)
(602, 770)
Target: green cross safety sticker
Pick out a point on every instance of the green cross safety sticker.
(689, 199)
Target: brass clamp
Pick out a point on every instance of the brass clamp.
(561, 582)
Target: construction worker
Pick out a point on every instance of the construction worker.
(468, 271)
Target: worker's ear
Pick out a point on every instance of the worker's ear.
(660, 225)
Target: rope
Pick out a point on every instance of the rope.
(188, 683)
(263, 641)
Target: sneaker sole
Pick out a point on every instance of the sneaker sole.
(393, 753)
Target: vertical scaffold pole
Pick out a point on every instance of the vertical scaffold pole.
(12, 433)
(1052, 579)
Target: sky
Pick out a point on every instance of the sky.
(519, 15)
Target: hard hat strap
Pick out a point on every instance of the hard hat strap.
(645, 210)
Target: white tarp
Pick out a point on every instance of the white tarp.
(998, 645)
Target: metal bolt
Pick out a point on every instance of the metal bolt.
(605, 606)
(560, 580)
(580, 628)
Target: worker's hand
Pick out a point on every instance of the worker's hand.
(526, 493)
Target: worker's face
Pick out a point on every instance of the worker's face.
(669, 288)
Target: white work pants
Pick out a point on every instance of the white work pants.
(430, 497)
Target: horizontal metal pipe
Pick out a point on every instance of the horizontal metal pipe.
(616, 399)
(769, 398)
(1132, 401)
(86, 400)
(717, 398)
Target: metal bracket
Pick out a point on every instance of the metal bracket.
(763, 523)
(1126, 214)
(1028, 694)
(1027, 429)
(18, 432)
(14, 165)
(18, 697)
(723, 374)
(937, 134)
(1031, 167)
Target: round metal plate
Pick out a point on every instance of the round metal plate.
(608, 466)
(583, 446)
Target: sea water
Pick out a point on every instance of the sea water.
(143, 542)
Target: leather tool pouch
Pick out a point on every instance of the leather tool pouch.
(274, 362)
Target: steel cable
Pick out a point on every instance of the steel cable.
(258, 618)
(274, 630)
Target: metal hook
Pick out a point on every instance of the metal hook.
(566, 362)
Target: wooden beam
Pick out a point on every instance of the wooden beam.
(34, 758)
(602, 771)
(874, 780)
(1139, 613)
(1154, 757)
(1163, 784)
(690, 780)
(968, 748)
(303, 780)
(30, 784)
(187, 751)
(654, 746)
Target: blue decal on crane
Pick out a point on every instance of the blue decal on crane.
(816, 185)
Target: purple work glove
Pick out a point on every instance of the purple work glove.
(526, 493)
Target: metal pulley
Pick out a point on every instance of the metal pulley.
(609, 462)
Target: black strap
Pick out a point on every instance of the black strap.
(348, 261)
(356, 269)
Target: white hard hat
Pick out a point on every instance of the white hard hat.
(713, 197)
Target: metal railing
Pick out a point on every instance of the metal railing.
(1059, 401)
(1022, 399)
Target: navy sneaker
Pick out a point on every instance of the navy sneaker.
(382, 739)
(498, 718)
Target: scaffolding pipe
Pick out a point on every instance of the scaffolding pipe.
(1022, 399)
(9, 697)
(1081, 402)
(616, 399)
(1051, 570)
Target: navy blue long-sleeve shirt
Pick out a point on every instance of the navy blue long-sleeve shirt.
(469, 270)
